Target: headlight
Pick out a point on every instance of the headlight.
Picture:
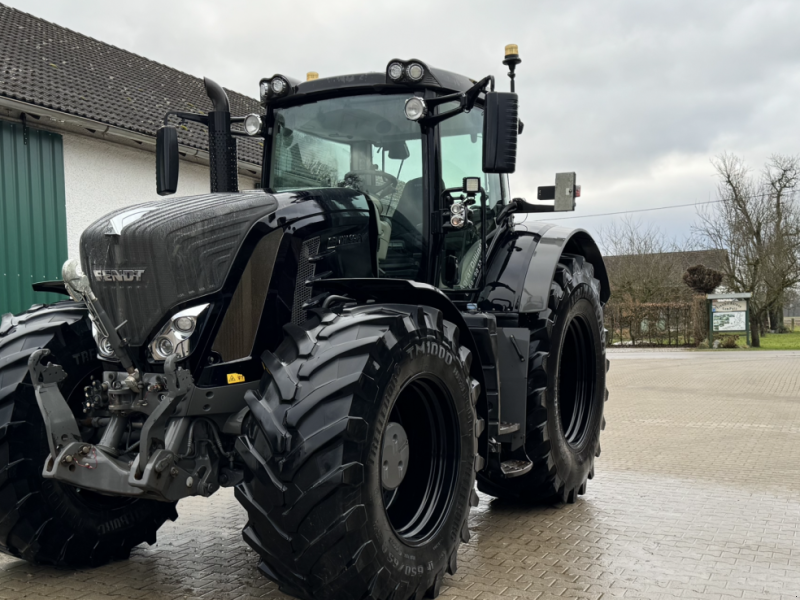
(415, 109)
(278, 86)
(457, 221)
(406, 71)
(184, 324)
(177, 336)
(252, 124)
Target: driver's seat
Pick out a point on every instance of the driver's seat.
(410, 204)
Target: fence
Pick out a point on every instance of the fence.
(657, 323)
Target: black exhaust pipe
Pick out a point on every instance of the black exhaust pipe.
(222, 158)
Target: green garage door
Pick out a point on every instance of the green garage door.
(33, 220)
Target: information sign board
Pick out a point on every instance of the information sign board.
(729, 315)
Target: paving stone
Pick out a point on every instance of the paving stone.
(697, 496)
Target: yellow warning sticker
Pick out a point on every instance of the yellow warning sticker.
(235, 378)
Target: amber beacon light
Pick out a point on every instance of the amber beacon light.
(512, 59)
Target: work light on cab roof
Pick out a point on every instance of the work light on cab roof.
(277, 86)
(406, 71)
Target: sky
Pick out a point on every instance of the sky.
(635, 97)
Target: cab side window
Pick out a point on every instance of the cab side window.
(462, 154)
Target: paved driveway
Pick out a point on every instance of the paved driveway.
(697, 495)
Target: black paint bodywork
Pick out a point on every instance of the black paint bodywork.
(198, 255)
(196, 250)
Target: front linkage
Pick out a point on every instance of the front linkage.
(167, 462)
(162, 474)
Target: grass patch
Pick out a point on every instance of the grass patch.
(781, 341)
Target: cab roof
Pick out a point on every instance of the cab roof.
(436, 79)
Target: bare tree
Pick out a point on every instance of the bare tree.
(642, 263)
(781, 177)
(756, 222)
(648, 299)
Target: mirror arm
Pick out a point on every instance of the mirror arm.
(477, 89)
(186, 117)
(466, 101)
(521, 205)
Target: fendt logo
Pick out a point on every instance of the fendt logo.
(118, 274)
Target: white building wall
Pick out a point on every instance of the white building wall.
(101, 176)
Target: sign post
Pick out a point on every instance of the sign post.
(728, 313)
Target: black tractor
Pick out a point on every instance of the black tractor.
(350, 346)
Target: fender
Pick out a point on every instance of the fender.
(520, 271)
(392, 291)
(54, 287)
(385, 290)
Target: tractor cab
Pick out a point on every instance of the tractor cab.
(409, 139)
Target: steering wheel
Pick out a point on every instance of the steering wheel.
(367, 181)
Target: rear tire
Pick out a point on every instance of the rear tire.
(566, 393)
(320, 513)
(42, 520)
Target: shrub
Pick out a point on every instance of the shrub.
(702, 279)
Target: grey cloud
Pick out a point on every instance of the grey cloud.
(614, 90)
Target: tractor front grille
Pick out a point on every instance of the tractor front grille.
(182, 249)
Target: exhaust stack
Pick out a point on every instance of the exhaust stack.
(221, 144)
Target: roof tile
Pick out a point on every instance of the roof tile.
(53, 67)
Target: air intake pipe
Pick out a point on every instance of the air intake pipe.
(221, 143)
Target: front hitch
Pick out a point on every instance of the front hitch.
(71, 460)
(154, 473)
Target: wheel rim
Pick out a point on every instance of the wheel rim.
(418, 506)
(576, 381)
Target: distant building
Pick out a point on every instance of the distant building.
(669, 265)
(713, 259)
(78, 119)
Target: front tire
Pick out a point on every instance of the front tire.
(566, 393)
(42, 520)
(323, 515)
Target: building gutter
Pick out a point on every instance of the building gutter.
(108, 132)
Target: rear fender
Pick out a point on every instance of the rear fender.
(523, 266)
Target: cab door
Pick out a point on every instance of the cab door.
(461, 143)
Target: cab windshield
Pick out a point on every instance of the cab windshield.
(367, 143)
(364, 143)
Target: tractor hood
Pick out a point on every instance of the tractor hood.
(146, 259)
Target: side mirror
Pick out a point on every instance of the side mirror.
(500, 131)
(167, 160)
